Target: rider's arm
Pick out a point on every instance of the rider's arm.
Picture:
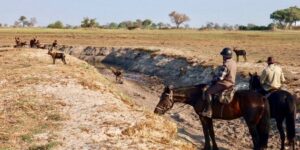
(223, 71)
(263, 76)
(282, 77)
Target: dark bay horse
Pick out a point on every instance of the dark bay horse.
(248, 104)
(282, 107)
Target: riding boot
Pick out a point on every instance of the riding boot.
(207, 111)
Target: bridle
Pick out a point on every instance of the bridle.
(170, 102)
(254, 85)
(251, 82)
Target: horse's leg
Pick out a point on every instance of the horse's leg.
(245, 57)
(281, 131)
(212, 133)
(254, 135)
(237, 58)
(251, 120)
(263, 128)
(205, 132)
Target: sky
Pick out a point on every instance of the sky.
(200, 11)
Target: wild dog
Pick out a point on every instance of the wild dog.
(54, 44)
(32, 43)
(19, 43)
(118, 74)
(240, 52)
(57, 55)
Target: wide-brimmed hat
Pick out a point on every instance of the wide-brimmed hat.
(270, 60)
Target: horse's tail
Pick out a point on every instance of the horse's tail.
(264, 124)
(290, 119)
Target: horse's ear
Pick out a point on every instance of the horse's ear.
(168, 88)
(255, 73)
(250, 74)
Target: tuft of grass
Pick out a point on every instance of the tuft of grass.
(27, 138)
(4, 137)
(47, 146)
(55, 117)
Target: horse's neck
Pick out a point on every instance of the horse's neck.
(184, 96)
(261, 90)
(180, 98)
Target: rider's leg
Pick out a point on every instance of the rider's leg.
(216, 88)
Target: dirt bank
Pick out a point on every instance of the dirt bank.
(72, 107)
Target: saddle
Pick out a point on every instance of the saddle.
(268, 93)
(226, 96)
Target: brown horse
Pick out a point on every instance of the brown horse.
(248, 104)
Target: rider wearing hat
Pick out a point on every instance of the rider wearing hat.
(224, 79)
(272, 76)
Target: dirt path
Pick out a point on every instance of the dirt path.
(145, 91)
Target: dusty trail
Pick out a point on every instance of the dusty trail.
(145, 91)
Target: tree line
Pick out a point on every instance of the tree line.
(282, 19)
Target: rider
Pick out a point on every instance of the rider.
(272, 76)
(224, 79)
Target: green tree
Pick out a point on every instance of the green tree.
(153, 26)
(178, 18)
(113, 25)
(89, 23)
(160, 25)
(285, 18)
(147, 23)
(122, 25)
(23, 20)
(137, 24)
(56, 25)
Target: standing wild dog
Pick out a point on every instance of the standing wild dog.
(240, 52)
(32, 43)
(118, 74)
(57, 55)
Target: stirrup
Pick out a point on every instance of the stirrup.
(207, 114)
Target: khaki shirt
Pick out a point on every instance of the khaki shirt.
(229, 78)
(272, 77)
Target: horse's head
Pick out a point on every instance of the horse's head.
(166, 101)
(254, 81)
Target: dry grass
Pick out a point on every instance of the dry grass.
(158, 130)
(284, 45)
(24, 112)
(26, 115)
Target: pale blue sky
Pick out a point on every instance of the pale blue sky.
(200, 11)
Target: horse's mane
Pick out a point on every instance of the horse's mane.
(185, 89)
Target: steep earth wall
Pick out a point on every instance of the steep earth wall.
(175, 70)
